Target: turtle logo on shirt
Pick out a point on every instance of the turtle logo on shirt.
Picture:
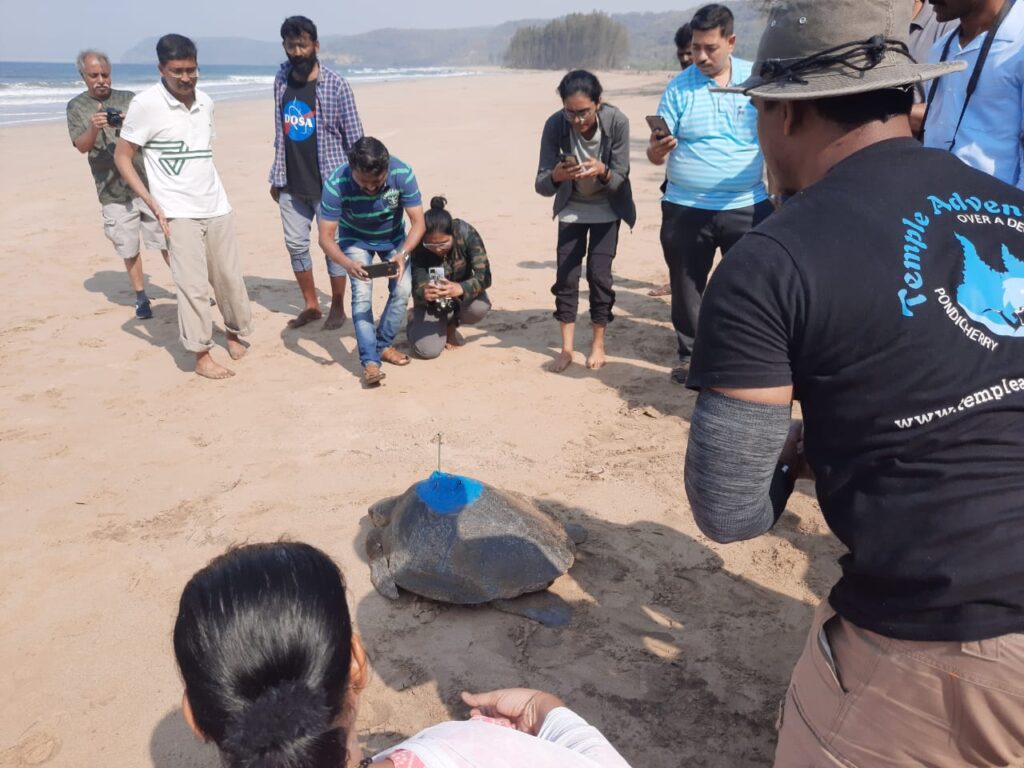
(391, 197)
(992, 297)
(299, 120)
(173, 155)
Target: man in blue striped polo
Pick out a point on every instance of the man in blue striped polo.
(715, 192)
(361, 216)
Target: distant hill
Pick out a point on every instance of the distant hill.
(650, 43)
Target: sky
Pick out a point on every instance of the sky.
(55, 30)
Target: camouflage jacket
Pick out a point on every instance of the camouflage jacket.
(466, 263)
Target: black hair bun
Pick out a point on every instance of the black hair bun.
(277, 718)
(438, 203)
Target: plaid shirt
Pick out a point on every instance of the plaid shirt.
(337, 128)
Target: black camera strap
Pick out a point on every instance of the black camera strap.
(972, 84)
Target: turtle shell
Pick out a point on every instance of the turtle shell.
(456, 540)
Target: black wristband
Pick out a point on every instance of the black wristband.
(783, 483)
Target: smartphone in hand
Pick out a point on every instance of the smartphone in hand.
(658, 125)
(569, 161)
(381, 269)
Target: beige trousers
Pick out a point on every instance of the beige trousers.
(204, 253)
(861, 700)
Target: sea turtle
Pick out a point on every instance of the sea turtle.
(457, 540)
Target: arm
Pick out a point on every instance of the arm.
(550, 171)
(670, 107)
(476, 255)
(351, 126)
(124, 154)
(618, 169)
(735, 480)
(85, 138)
(328, 238)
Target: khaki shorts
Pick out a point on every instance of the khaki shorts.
(858, 699)
(125, 223)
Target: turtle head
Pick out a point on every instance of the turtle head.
(380, 512)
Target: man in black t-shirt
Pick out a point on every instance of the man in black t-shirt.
(887, 296)
(316, 125)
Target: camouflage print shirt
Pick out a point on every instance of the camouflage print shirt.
(466, 263)
(110, 187)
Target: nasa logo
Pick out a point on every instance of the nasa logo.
(299, 120)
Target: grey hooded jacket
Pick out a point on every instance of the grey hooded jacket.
(557, 139)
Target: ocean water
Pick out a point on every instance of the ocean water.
(32, 92)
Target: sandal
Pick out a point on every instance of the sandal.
(393, 356)
(373, 375)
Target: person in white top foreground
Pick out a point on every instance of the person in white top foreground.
(273, 674)
(172, 123)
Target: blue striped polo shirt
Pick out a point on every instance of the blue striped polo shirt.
(370, 222)
(718, 164)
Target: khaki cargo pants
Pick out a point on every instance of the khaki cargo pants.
(861, 700)
(204, 253)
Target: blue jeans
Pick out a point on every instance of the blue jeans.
(373, 341)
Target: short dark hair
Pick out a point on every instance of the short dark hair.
(580, 81)
(294, 26)
(713, 16)
(174, 47)
(860, 108)
(437, 219)
(684, 36)
(369, 155)
(263, 630)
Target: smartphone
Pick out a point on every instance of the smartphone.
(382, 269)
(436, 274)
(567, 159)
(658, 126)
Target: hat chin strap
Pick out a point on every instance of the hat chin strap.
(858, 56)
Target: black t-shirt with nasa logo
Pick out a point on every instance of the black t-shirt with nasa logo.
(298, 119)
(891, 296)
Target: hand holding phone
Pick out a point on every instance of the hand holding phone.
(659, 126)
(569, 161)
(381, 269)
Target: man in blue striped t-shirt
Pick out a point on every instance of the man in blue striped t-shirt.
(715, 192)
(361, 216)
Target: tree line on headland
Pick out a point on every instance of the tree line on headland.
(588, 40)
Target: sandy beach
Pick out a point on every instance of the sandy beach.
(121, 472)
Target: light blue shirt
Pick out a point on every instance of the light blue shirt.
(718, 164)
(991, 137)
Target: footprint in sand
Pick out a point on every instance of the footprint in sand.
(37, 749)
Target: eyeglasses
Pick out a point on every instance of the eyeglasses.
(183, 72)
(443, 245)
(578, 115)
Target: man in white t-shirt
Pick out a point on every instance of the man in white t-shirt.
(172, 123)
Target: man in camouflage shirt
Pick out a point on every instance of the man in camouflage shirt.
(94, 120)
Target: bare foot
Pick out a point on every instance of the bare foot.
(454, 340)
(308, 315)
(335, 318)
(661, 290)
(560, 363)
(236, 347)
(209, 368)
(596, 358)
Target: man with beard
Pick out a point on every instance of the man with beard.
(316, 124)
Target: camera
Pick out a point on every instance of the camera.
(436, 275)
(114, 118)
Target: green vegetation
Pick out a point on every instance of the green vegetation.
(590, 40)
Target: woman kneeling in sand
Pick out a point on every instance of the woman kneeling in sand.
(273, 674)
(584, 164)
(450, 276)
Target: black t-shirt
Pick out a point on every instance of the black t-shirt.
(298, 118)
(891, 295)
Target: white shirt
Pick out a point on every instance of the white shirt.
(991, 137)
(565, 740)
(177, 146)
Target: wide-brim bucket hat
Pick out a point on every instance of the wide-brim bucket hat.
(816, 49)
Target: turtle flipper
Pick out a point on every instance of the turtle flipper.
(380, 511)
(380, 575)
(576, 532)
(545, 608)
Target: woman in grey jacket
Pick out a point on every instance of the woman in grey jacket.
(584, 165)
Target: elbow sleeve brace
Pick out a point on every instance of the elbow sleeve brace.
(735, 488)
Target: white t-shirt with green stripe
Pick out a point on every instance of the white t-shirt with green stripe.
(177, 146)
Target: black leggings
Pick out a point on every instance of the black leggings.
(600, 251)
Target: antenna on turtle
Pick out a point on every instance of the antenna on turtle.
(440, 442)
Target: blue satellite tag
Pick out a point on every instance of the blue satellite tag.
(447, 494)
